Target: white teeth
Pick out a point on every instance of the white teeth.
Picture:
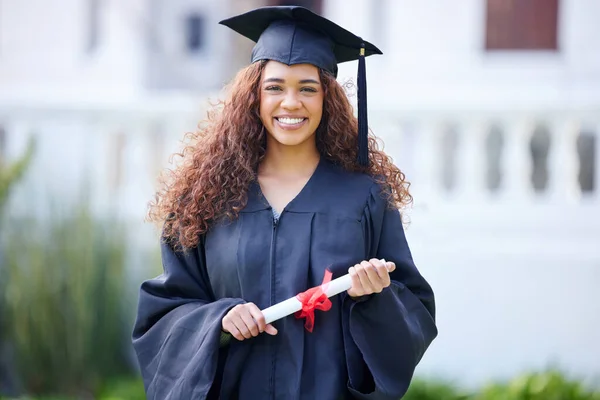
(290, 121)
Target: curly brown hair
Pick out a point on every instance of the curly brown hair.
(220, 160)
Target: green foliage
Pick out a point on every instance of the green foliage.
(422, 389)
(124, 389)
(11, 173)
(66, 302)
(548, 385)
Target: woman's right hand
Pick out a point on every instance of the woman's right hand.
(245, 321)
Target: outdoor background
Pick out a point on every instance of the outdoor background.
(491, 107)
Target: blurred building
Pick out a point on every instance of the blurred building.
(492, 107)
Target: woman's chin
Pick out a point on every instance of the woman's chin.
(287, 139)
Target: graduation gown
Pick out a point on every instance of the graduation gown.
(364, 348)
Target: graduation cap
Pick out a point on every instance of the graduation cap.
(295, 35)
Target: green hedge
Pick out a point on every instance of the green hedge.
(547, 385)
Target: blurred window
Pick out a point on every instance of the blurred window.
(195, 32)
(93, 25)
(521, 25)
(315, 6)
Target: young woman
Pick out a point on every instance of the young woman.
(278, 188)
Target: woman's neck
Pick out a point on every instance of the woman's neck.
(289, 160)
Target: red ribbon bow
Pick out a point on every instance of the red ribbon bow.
(314, 299)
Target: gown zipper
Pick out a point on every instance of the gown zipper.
(272, 299)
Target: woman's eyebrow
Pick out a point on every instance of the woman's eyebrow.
(276, 80)
(303, 81)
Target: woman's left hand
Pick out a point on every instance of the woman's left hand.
(370, 277)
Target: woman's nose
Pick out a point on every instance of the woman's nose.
(291, 101)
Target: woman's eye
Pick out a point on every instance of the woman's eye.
(273, 88)
(309, 89)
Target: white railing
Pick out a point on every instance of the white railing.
(416, 141)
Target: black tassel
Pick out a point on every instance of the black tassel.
(363, 123)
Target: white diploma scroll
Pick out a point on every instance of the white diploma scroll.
(292, 305)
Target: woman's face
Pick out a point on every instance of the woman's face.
(291, 102)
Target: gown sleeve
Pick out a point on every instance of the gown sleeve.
(177, 331)
(386, 334)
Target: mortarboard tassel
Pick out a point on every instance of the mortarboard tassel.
(363, 124)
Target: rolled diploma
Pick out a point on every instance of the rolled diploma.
(292, 305)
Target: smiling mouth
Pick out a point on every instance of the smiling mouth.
(291, 122)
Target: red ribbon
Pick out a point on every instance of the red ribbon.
(314, 299)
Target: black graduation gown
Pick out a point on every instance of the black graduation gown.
(366, 348)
